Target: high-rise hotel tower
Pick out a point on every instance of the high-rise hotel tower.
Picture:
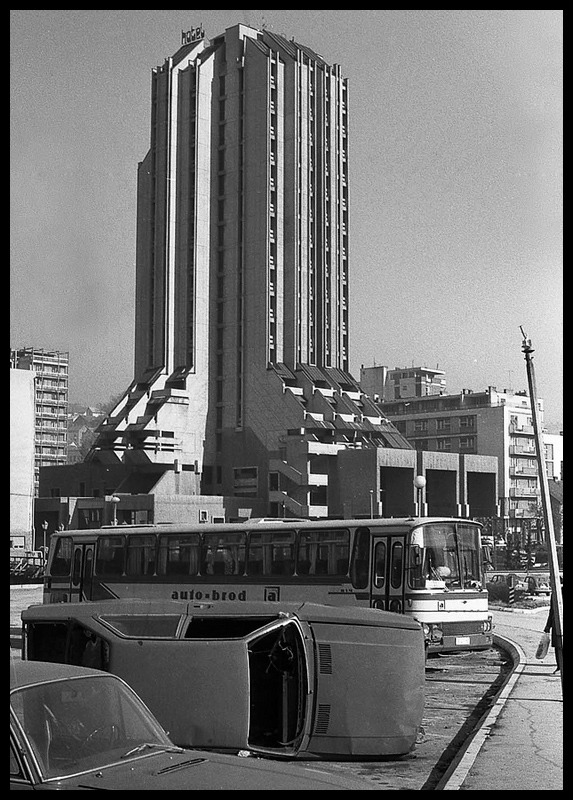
(241, 342)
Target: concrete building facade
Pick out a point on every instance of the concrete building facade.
(50, 369)
(22, 426)
(241, 377)
(495, 423)
(401, 382)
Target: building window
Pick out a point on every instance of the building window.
(467, 442)
(444, 444)
(245, 481)
(444, 424)
(467, 422)
(421, 426)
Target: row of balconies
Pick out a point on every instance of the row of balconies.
(527, 491)
(521, 450)
(517, 428)
(517, 472)
(44, 404)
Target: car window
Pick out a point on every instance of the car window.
(15, 768)
(82, 723)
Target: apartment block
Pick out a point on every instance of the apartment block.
(22, 423)
(401, 382)
(50, 370)
(496, 423)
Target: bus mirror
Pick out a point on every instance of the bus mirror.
(415, 556)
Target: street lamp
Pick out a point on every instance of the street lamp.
(419, 483)
(45, 531)
(114, 501)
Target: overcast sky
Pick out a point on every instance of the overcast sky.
(455, 185)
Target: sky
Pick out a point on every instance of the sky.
(455, 162)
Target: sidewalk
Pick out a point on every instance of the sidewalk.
(519, 744)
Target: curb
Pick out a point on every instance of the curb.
(458, 770)
(520, 610)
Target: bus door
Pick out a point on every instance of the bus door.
(387, 578)
(82, 572)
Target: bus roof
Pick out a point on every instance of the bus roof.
(239, 527)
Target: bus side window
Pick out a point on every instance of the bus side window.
(397, 564)
(62, 561)
(109, 555)
(77, 567)
(223, 554)
(141, 555)
(178, 554)
(360, 554)
(380, 564)
(282, 562)
(255, 554)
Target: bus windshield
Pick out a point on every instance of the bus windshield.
(445, 554)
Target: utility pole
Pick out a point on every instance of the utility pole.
(557, 593)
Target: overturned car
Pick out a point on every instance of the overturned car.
(290, 681)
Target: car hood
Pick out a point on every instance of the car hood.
(194, 770)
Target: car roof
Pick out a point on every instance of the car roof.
(27, 673)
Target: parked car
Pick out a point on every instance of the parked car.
(499, 584)
(285, 680)
(539, 584)
(77, 728)
(511, 579)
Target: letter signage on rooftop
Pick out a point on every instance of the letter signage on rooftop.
(192, 35)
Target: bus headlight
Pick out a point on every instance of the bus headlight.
(487, 625)
(432, 633)
(436, 634)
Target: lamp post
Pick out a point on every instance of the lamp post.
(557, 591)
(114, 501)
(419, 483)
(45, 531)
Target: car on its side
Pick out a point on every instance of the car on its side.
(284, 680)
(73, 727)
